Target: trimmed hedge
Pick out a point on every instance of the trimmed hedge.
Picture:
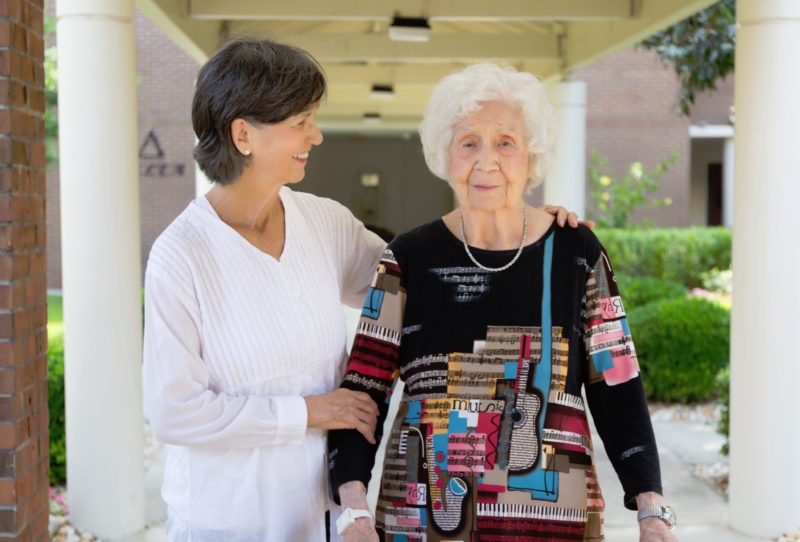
(682, 344)
(638, 291)
(55, 404)
(681, 255)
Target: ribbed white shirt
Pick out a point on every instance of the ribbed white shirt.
(233, 341)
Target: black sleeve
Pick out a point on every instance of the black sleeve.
(372, 369)
(614, 386)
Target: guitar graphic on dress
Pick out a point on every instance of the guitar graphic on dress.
(526, 433)
(525, 464)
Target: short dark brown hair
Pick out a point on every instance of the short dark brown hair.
(256, 80)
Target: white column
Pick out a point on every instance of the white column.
(101, 265)
(727, 182)
(765, 368)
(565, 182)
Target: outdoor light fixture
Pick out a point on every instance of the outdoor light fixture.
(372, 118)
(370, 180)
(409, 29)
(382, 92)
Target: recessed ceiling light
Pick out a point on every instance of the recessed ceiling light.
(382, 92)
(409, 29)
(372, 118)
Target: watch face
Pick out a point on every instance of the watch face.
(668, 515)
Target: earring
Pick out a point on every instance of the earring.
(246, 152)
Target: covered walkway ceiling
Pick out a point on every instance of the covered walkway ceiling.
(350, 37)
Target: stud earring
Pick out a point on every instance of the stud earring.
(246, 152)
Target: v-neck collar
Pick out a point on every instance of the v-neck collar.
(288, 210)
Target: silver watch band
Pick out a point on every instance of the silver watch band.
(664, 513)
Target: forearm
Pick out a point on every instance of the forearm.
(353, 495)
(653, 528)
(211, 420)
(649, 498)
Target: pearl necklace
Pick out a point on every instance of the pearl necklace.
(509, 264)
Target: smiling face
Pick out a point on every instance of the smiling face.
(489, 159)
(279, 151)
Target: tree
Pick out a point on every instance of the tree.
(50, 95)
(700, 49)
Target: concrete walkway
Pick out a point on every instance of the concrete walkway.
(702, 512)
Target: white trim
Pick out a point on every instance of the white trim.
(390, 126)
(709, 131)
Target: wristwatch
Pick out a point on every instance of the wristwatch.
(664, 513)
(348, 517)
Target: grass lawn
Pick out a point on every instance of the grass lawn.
(55, 317)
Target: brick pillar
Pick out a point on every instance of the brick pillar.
(23, 295)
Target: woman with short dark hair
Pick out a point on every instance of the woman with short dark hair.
(244, 329)
(258, 81)
(244, 333)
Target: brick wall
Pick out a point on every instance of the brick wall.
(633, 116)
(23, 310)
(714, 107)
(166, 85)
(165, 76)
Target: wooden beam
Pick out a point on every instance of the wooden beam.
(416, 74)
(198, 39)
(435, 10)
(440, 48)
(587, 42)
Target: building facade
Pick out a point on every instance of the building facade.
(632, 116)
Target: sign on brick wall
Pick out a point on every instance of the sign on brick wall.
(152, 159)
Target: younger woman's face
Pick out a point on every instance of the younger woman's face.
(280, 151)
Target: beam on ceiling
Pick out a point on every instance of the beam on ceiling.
(416, 74)
(383, 126)
(587, 42)
(198, 39)
(435, 10)
(440, 48)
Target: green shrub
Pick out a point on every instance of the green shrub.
(681, 254)
(638, 291)
(55, 403)
(682, 344)
(724, 394)
(718, 281)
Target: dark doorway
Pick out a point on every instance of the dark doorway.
(714, 195)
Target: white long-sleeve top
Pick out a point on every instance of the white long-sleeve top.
(234, 339)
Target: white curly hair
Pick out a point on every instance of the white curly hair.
(462, 93)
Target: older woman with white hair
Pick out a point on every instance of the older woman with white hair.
(496, 319)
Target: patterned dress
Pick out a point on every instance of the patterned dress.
(491, 441)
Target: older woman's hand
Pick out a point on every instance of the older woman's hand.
(354, 495)
(343, 409)
(563, 216)
(363, 530)
(655, 530)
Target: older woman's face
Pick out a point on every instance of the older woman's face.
(489, 161)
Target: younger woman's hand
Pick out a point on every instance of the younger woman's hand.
(566, 217)
(343, 409)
